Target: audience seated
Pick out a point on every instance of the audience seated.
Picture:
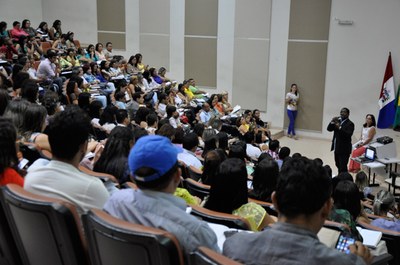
(190, 143)
(303, 200)
(68, 136)
(265, 178)
(9, 171)
(153, 166)
(228, 194)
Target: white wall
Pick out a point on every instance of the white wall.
(77, 16)
(18, 10)
(357, 56)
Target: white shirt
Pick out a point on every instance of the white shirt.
(252, 151)
(189, 159)
(292, 105)
(174, 122)
(205, 116)
(63, 181)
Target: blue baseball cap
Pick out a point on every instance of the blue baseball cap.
(155, 152)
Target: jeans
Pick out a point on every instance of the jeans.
(292, 117)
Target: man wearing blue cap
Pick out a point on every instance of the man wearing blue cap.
(153, 165)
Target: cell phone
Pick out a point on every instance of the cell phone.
(343, 243)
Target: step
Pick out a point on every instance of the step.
(276, 133)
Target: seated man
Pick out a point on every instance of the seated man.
(154, 167)
(190, 143)
(303, 200)
(68, 135)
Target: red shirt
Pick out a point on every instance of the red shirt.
(11, 176)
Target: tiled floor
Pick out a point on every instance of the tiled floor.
(317, 148)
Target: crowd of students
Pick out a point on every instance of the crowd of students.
(94, 109)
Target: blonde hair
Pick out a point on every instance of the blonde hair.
(384, 200)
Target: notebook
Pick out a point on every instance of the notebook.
(371, 238)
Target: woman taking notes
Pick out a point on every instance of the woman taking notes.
(292, 100)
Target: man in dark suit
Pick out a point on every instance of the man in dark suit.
(343, 129)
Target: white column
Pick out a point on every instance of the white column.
(132, 27)
(280, 17)
(177, 40)
(225, 45)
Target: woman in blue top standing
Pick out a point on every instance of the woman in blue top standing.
(292, 101)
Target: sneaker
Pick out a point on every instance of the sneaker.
(289, 135)
(295, 137)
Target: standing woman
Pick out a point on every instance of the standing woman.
(292, 100)
(367, 135)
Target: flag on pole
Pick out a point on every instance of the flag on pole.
(396, 123)
(386, 102)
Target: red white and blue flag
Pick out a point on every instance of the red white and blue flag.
(387, 106)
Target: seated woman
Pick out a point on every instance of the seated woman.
(139, 65)
(60, 45)
(216, 104)
(33, 126)
(71, 57)
(43, 31)
(108, 119)
(228, 194)
(9, 172)
(212, 161)
(265, 178)
(114, 158)
(130, 66)
(55, 31)
(91, 53)
(155, 76)
(26, 26)
(385, 206)
(99, 52)
(347, 206)
(70, 40)
(367, 135)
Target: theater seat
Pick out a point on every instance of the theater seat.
(196, 188)
(229, 220)
(114, 241)
(46, 230)
(206, 256)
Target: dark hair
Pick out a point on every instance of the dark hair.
(373, 120)
(29, 90)
(167, 130)
(34, 119)
(291, 88)
(198, 129)
(146, 75)
(119, 95)
(211, 164)
(50, 101)
(70, 87)
(41, 27)
(222, 140)
(67, 131)
(16, 112)
(151, 119)
(264, 156)
(121, 115)
(303, 187)
(108, 115)
(8, 151)
(229, 188)
(138, 56)
(158, 184)
(4, 99)
(238, 150)
(141, 114)
(210, 143)
(114, 158)
(94, 109)
(15, 23)
(18, 77)
(273, 145)
(170, 110)
(347, 196)
(56, 23)
(284, 152)
(340, 177)
(190, 141)
(178, 136)
(84, 101)
(265, 178)
(249, 137)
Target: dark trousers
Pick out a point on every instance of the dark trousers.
(341, 161)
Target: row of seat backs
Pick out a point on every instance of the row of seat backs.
(49, 231)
